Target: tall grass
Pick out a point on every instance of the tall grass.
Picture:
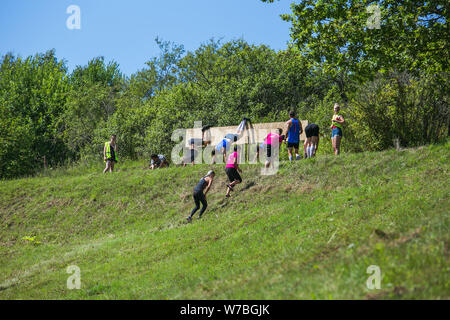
(309, 232)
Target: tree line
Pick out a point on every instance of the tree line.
(392, 83)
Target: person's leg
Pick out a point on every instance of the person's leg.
(107, 166)
(338, 145)
(315, 144)
(206, 135)
(230, 179)
(269, 156)
(235, 182)
(311, 150)
(234, 177)
(111, 166)
(204, 205)
(229, 186)
(192, 151)
(193, 155)
(257, 154)
(333, 141)
(305, 148)
(239, 131)
(297, 156)
(241, 127)
(290, 153)
(197, 206)
(223, 150)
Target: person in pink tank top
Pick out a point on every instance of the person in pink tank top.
(232, 170)
(272, 138)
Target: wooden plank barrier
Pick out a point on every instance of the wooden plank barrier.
(253, 134)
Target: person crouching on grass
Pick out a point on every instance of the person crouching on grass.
(204, 184)
(232, 170)
(158, 161)
(273, 153)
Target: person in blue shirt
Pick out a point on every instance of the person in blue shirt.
(225, 144)
(294, 130)
(222, 148)
(312, 140)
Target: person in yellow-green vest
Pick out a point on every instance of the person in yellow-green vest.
(110, 154)
(336, 129)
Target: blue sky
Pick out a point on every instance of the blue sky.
(124, 31)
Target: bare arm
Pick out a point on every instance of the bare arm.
(237, 165)
(208, 186)
(340, 120)
(104, 152)
(288, 123)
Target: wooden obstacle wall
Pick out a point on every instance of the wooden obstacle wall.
(252, 135)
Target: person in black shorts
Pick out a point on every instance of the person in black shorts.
(293, 131)
(312, 140)
(232, 170)
(204, 184)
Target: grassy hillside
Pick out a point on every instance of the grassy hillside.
(309, 232)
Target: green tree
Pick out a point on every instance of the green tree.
(33, 93)
(343, 35)
(91, 103)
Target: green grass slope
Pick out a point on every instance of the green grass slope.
(309, 232)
